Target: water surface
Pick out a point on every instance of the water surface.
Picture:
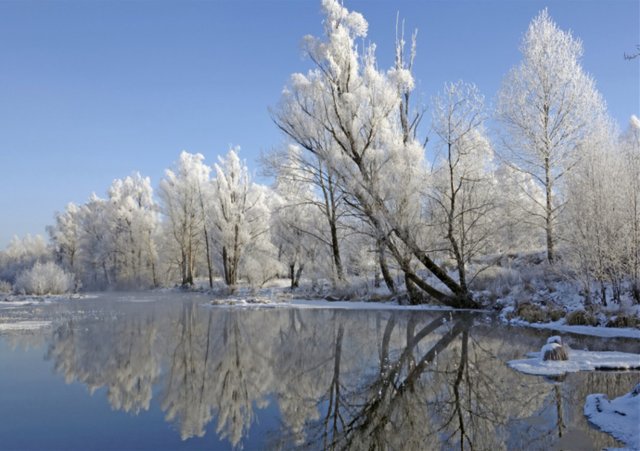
(150, 371)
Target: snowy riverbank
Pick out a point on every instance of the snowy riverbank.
(619, 417)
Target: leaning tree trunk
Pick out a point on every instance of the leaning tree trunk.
(384, 269)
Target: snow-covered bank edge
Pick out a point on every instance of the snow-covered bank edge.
(23, 326)
(26, 299)
(258, 302)
(619, 417)
(594, 331)
(578, 361)
(560, 326)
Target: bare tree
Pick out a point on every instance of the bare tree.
(462, 174)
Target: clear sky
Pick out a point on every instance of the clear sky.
(94, 90)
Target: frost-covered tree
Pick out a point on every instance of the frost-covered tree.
(21, 254)
(64, 236)
(312, 211)
(347, 113)
(133, 216)
(595, 216)
(630, 146)
(94, 239)
(546, 106)
(462, 193)
(241, 218)
(110, 243)
(604, 213)
(181, 201)
(520, 197)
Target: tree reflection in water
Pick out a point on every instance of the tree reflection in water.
(118, 355)
(340, 379)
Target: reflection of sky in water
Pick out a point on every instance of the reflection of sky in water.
(262, 378)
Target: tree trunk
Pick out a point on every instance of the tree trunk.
(335, 249)
(384, 269)
(183, 267)
(548, 211)
(209, 266)
(225, 265)
(292, 275)
(296, 280)
(414, 294)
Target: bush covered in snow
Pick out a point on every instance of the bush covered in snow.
(21, 254)
(44, 278)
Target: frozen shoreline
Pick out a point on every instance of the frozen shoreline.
(261, 301)
(593, 331)
(578, 361)
(619, 417)
(23, 325)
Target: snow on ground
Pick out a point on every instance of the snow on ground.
(24, 325)
(619, 417)
(324, 304)
(578, 361)
(361, 305)
(18, 303)
(137, 300)
(20, 300)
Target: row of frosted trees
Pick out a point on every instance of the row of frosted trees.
(202, 226)
(357, 191)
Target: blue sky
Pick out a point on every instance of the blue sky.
(94, 90)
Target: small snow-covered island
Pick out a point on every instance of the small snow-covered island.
(428, 240)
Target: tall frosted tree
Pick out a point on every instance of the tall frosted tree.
(95, 243)
(181, 195)
(313, 197)
(595, 216)
(64, 236)
(630, 145)
(133, 216)
(298, 221)
(546, 106)
(347, 112)
(241, 218)
(463, 180)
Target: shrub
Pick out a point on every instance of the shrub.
(581, 318)
(554, 351)
(5, 287)
(555, 314)
(44, 278)
(623, 320)
(532, 313)
(496, 279)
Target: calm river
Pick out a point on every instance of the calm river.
(167, 371)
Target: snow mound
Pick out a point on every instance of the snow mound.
(619, 417)
(578, 361)
(24, 325)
